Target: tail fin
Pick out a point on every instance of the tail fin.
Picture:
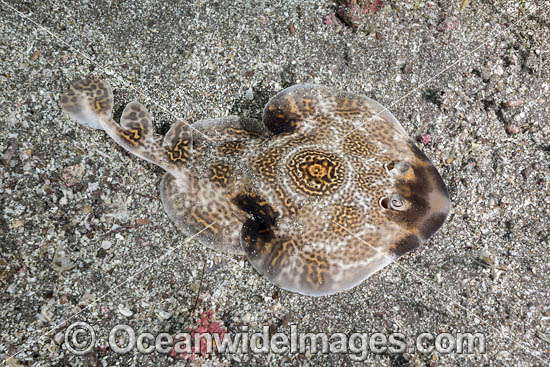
(88, 102)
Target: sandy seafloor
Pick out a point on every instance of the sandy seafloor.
(84, 236)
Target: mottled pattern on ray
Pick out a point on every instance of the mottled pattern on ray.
(322, 193)
(90, 102)
(363, 193)
(198, 207)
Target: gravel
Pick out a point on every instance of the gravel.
(84, 236)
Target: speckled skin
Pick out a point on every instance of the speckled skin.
(324, 192)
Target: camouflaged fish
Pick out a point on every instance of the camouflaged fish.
(324, 192)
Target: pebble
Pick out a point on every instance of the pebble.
(8, 154)
(511, 129)
(106, 245)
(101, 253)
(292, 29)
(61, 262)
(125, 311)
(520, 116)
(18, 223)
(512, 103)
(425, 139)
(329, 19)
(73, 174)
(503, 354)
(165, 315)
(249, 94)
(246, 318)
(194, 287)
(526, 172)
(59, 338)
(46, 313)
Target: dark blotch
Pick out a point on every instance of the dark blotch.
(250, 236)
(426, 182)
(280, 119)
(432, 224)
(407, 244)
(279, 125)
(257, 206)
(419, 188)
(259, 228)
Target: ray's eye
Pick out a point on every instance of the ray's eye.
(396, 202)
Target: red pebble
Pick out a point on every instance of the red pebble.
(425, 139)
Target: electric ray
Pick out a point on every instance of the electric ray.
(322, 193)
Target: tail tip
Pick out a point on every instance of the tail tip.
(88, 102)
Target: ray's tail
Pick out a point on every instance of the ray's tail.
(90, 102)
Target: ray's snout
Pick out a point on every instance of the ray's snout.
(431, 194)
(420, 203)
(439, 205)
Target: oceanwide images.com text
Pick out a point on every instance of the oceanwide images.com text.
(80, 338)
